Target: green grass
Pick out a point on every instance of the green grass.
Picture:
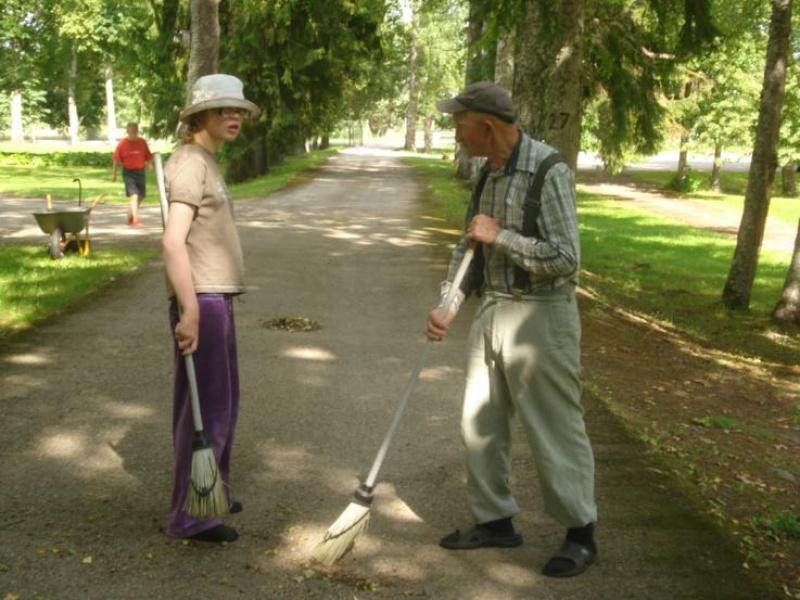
(450, 193)
(33, 286)
(734, 185)
(671, 272)
(37, 182)
(785, 523)
(281, 175)
(675, 273)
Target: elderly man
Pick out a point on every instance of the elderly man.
(524, 344)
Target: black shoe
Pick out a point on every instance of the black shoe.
(571, 559)
(218, 534)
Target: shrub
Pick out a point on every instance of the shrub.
(690, 182)
(60, 159)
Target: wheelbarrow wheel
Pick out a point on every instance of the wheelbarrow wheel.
(55, 248)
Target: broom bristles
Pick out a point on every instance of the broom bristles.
(341, 536)
(206, 498)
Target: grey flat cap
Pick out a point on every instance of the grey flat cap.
(482, 96)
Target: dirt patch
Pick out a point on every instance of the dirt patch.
(724, 426)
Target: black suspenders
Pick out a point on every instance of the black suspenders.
(532, 208)
(530, 228)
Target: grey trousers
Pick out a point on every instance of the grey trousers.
(524, 357)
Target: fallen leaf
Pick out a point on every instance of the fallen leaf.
(87, 560)
(10, 596)
(745, 478)
(308, 573)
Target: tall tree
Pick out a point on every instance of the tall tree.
(479, 65)
(739, 284)
(789, 143)
(111, 112)
(72, 104)
(204, 50)
(413, 78)
(441, 57)
(504, 60)
(22, 31)
(619, 65)
(547, 82)
(726, 113)
(787, 310)
(312, 55)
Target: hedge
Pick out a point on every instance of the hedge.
(60, 159)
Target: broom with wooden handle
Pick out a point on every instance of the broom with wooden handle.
(341, 536)
(206, 498)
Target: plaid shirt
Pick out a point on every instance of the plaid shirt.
(550, 261)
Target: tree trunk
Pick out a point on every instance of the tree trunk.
(17, 131)
(204, 48)
(413, 90)
(72, 108)
(788, 308)
(788, 182)
(683, 156)
(504, 60)
(111, 113)
(476, 67)
(739, 285)
(716, 169)
(480, 62)
(428, 133)
(325, 142)
(547, 78)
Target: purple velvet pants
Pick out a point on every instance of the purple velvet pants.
(218, 387)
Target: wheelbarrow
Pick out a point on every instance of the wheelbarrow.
(59, 223)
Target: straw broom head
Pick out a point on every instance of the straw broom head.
(206, 498)
(341, 536)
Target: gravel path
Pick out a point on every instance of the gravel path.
(85, 400)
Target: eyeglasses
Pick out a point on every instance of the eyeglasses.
(233, 112)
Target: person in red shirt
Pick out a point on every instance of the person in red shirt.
(134, 155)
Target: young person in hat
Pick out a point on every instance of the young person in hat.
(524, 344)
(205, 269)
(134, 155)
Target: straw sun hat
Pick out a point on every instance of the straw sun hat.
(217, 91)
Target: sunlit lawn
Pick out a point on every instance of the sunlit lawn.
(673, 272)
(734, 185)
(37, 182)
(676, 273)
(449, 192)
(34, 286)
(281, 175)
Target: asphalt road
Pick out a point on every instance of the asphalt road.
(86, 408)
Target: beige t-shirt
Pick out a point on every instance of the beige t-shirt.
(215, 251)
